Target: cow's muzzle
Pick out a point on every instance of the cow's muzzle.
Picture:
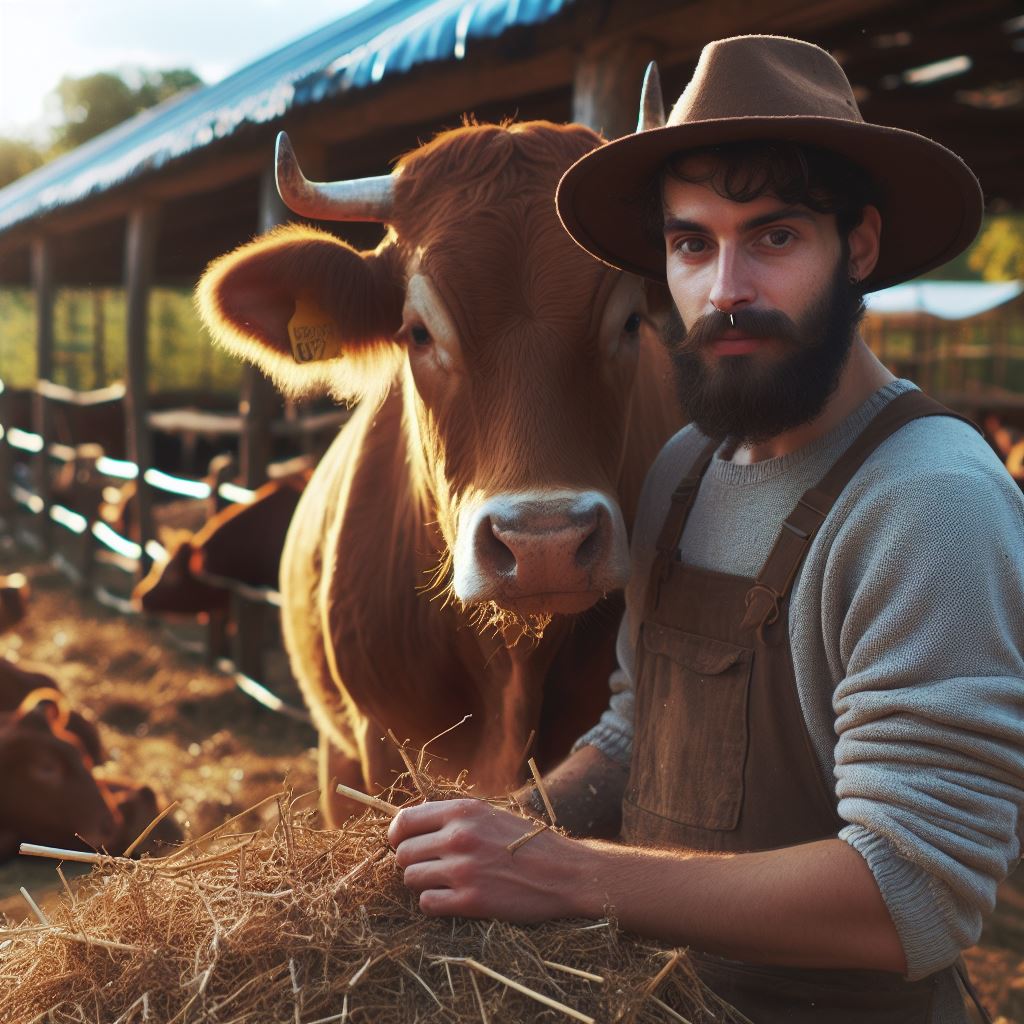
(539, 553)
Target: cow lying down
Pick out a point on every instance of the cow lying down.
(458, 548)
(50, 793)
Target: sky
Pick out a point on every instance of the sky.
(43, 40)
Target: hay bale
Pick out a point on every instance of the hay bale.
(295, 923)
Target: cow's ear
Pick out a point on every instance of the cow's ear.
(312, 312)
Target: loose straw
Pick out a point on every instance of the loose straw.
(149, 828)
(538, 996)
(40, 916)
(369, 801)
(543, 792)
(54, 853)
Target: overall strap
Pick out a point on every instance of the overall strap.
(794, 539)
(671, 533)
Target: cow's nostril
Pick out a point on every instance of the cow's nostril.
(588, 550)
(493, 550)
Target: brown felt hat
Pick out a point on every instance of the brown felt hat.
(775, 88)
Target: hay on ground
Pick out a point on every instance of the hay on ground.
(295, 923)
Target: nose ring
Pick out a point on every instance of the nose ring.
(732, 319)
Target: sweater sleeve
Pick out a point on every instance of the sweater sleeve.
(923, 599)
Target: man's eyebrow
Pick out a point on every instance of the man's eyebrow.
(676, 224)
(793, 212)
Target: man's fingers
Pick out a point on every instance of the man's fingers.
(419, 848)
(429, 817)
(448, 903)
(428, 874)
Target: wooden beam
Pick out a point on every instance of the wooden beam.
(140, 255)
(42, 420)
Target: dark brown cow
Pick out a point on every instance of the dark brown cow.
(513, 397)
(242, 543)
(49, 792)
(19, 680)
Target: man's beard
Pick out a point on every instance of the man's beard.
(749, 399)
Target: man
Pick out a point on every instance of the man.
(821, 773)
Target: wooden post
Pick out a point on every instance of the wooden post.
(139, 259)
(42, 420)
(259, 401)
(606, 84)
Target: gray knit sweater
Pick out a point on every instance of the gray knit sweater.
(907, 632)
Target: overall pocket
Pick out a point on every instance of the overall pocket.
(691, 735)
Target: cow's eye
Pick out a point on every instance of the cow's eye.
(632, 324)
(420, 336)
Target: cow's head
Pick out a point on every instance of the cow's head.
(515, 351)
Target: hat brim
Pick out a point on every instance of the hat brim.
(931, 201)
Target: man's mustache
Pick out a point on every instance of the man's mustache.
(752, 323)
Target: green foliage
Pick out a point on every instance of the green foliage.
(95, 103)
(86, 107)
(17, 157)
(998, 254)
(89, 328)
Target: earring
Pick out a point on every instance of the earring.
(853, 278)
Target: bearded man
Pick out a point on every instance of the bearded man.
(813, 758)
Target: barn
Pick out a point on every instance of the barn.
(147, 205)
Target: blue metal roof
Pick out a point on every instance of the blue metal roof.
(380, 39)
(950, 300)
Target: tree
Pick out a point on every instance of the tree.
(17, 157)
(998, 254)
(93, 104)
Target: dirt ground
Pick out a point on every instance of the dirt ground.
(183, 728)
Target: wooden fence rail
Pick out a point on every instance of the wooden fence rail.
(30, 512)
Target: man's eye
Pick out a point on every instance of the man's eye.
(632, 324)
(779, 237)
(691, 246)
(420, 335)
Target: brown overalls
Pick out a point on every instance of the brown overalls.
(722, 760)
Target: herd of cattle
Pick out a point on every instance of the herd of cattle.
(458, 549)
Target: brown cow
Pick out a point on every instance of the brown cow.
(242, 542)
(19, 679)
(49, 792)
(513, 397)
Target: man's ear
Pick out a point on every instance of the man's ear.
(309, 310)
(864, 241)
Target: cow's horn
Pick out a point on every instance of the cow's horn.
(652, 106)
(367, 199)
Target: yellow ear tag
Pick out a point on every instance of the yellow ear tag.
(313, 334)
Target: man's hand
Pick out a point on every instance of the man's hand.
(814, 905)
(455, 855)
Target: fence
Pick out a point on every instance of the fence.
(29, 510)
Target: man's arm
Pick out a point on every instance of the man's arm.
(814, 905)
(585, 791)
